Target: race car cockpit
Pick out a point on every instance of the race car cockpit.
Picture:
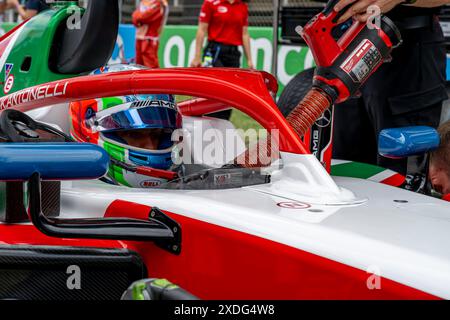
(152, 145)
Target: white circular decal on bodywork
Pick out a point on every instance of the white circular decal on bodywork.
(293, 205)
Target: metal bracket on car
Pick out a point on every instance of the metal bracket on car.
(173, 246)
(159, 228)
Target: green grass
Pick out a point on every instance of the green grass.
(239, 119)
(242, 121)
(182, 98)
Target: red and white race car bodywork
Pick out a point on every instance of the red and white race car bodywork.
(304, 235)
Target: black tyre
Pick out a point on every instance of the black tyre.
(295, 91)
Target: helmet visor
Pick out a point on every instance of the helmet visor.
(143, 139)
(134, 118)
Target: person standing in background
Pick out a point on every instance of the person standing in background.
(225, 22)
(3, 8)
(31, 8)
(439, 170)
(149, 19)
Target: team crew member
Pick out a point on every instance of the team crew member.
(439, 171)
(32, 8)
(408, 91)
(225, 22)
(149, 19)
(3, 7)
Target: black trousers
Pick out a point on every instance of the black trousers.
(225, 56)
(405, 92)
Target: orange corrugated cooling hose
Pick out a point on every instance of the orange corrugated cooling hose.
(301, 119)
(260, 155)
(309, 110)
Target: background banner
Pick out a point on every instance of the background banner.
(177, 50)
(178, 45)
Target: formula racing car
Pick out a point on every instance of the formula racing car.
(285, 229)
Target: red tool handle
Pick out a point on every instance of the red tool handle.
(319, 36)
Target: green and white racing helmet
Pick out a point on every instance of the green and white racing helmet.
(135, 130)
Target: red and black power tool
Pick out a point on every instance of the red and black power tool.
(343, 64)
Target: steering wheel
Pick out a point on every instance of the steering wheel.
(16, 126)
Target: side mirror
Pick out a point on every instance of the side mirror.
(35, 162)
(408, 141)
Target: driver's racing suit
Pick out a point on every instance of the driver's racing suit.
(149, 19)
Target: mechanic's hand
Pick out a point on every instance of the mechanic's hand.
(196, 63)
(250, 64)
(135, 18)
(359, 8)
(13, 3)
